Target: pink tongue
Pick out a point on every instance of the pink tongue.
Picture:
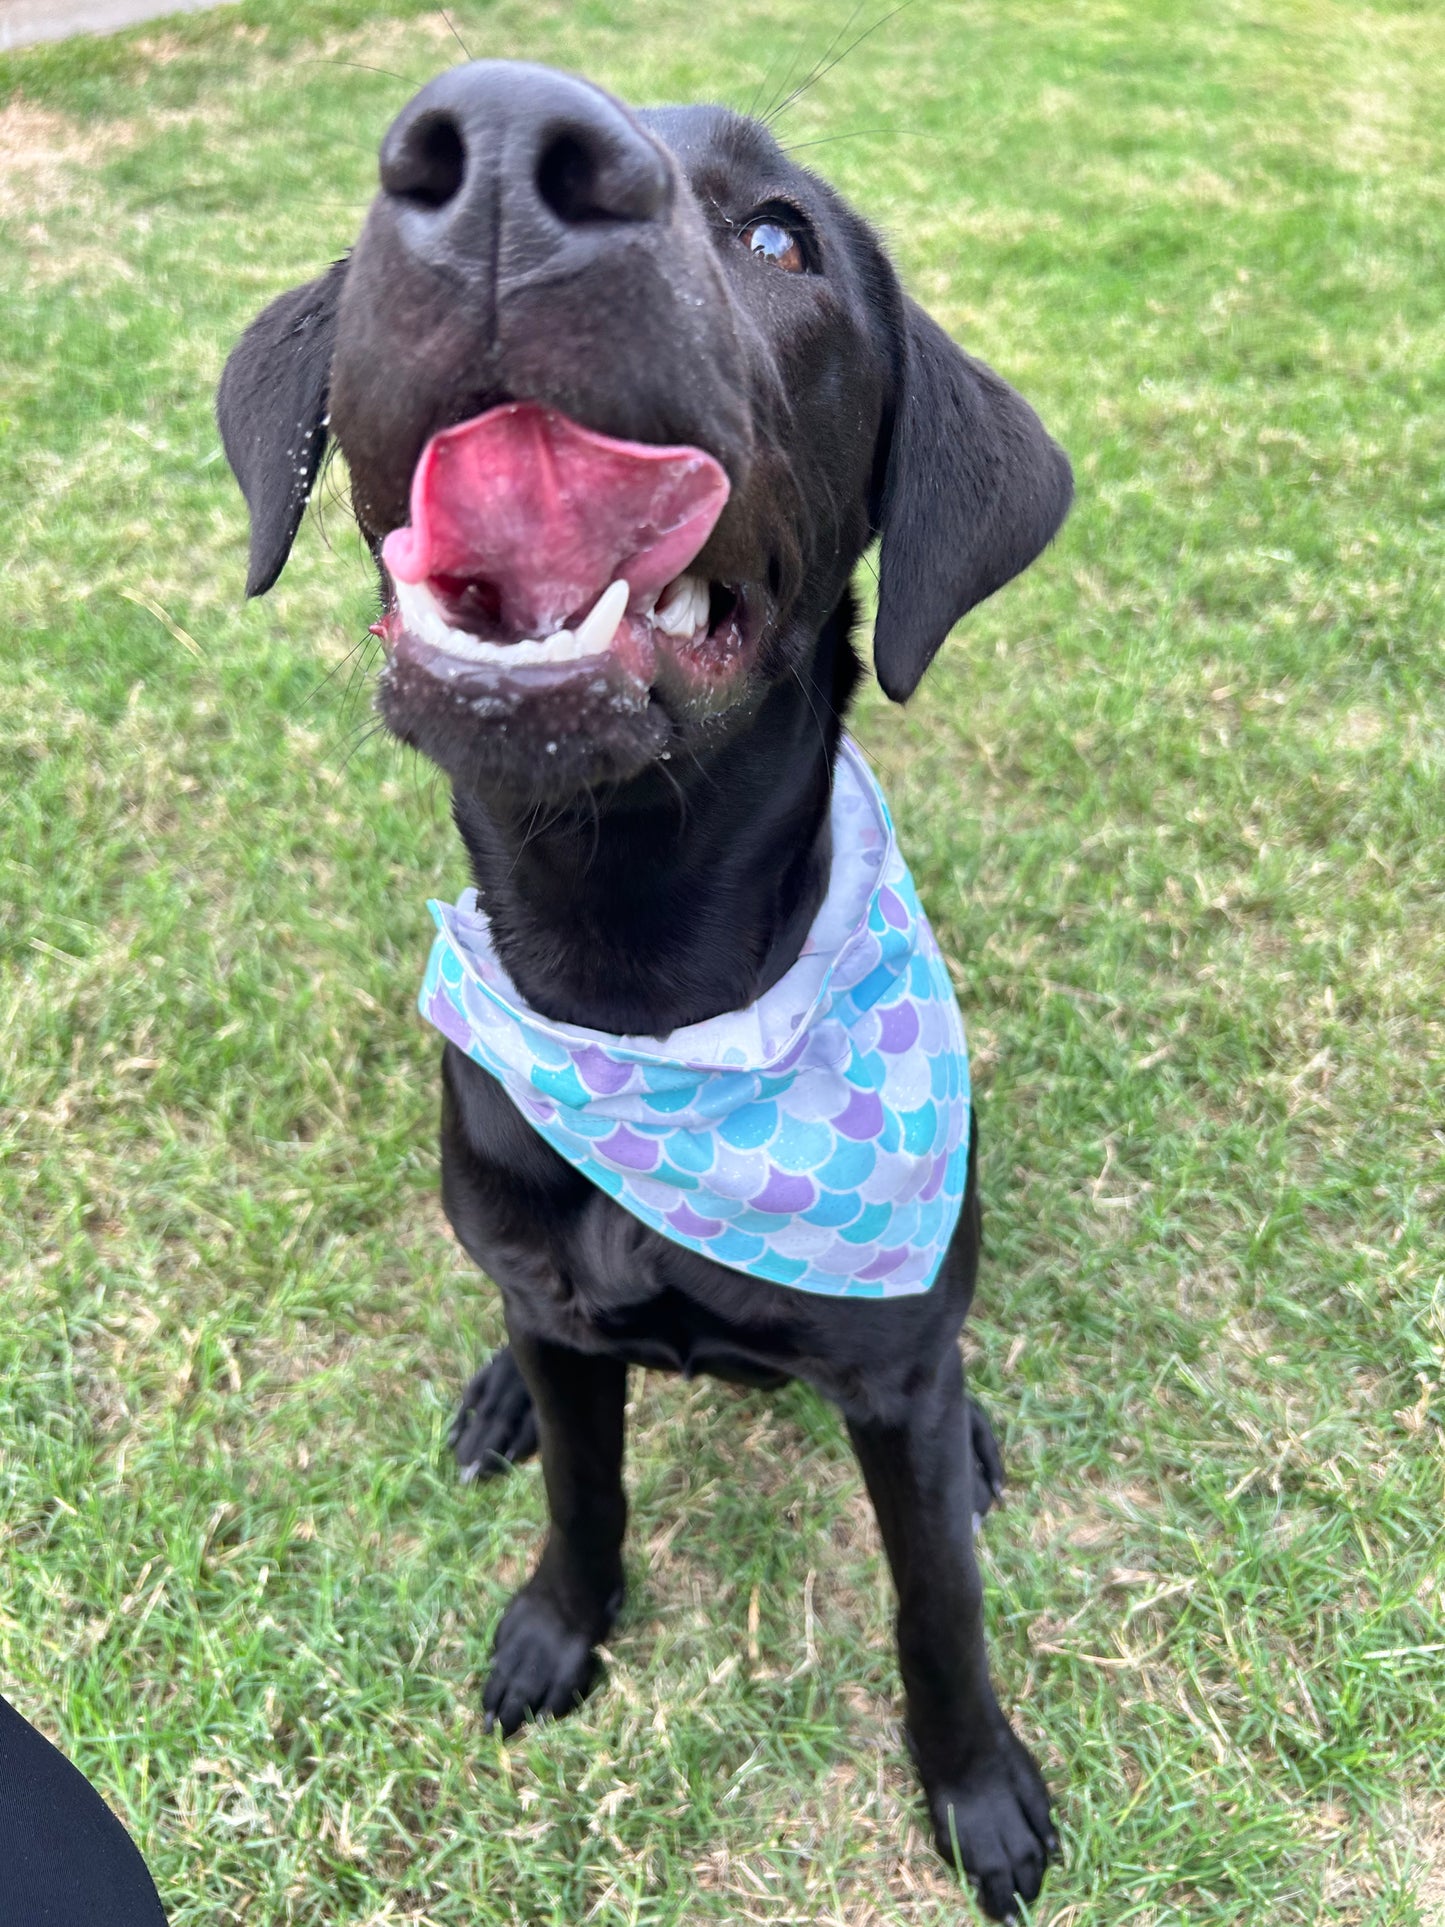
(550, 513)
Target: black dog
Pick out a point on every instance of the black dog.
(648, 825)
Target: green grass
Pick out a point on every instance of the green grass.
(1177, 803)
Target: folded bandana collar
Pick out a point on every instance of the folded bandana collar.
(818, 1138)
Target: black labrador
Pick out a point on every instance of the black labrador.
(651, 846)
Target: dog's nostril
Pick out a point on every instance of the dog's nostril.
(427, 163)
(582, 176)
(565, 180)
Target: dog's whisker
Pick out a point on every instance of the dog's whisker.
(760, 86)
(793, 51)
(455, 35)
(360, 675)
(361, 66)
(359, 745)
(425, 798)
(773, 108)
(821, 74)
(335, 670)
(595, 810)
(857, 133)
(526, 839)
(669, 776)
(797, 676)
(355, 662)
(317, 506)
(349, 727)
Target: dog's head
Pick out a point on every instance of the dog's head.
(624, 397)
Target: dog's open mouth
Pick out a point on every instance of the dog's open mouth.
(544, 559)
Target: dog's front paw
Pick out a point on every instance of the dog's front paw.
(540, 1665)
(993, 1822)
(496, 1426)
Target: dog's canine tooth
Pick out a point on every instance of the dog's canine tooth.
(597, 629)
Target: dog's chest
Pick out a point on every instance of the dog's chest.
(581, 1270)
(814, 1138)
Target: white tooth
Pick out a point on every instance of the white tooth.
(596, 631)
(558, 647)
(685, 609)
(456, 642)
(420, 614)
(422, 617)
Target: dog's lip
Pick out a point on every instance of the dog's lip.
(690, 673)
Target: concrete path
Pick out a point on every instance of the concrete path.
(24, 21)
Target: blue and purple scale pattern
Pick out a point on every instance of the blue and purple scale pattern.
(817, 1139)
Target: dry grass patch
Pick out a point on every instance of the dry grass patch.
(45, 155)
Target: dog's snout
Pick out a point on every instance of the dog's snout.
(498, 145)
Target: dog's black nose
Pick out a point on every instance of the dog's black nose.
(517, 153)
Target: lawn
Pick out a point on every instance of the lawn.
(1176, 801)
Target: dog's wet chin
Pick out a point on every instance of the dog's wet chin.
(542, 625)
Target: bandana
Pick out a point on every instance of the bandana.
(817, 1138)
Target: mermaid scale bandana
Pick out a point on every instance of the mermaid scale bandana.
(817, 1139)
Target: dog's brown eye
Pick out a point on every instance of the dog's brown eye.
(775, 244)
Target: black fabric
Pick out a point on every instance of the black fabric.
(65, 1860)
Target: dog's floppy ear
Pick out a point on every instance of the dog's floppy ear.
(271, 409)
(974, 488)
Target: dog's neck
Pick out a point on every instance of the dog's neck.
(688, 893)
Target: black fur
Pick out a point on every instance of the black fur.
(272, 412)
(537, 240)
(974, 491)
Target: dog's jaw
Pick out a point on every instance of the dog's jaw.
(545, 590)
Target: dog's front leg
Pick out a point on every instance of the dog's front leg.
(543, 1657)
(987, 1800)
